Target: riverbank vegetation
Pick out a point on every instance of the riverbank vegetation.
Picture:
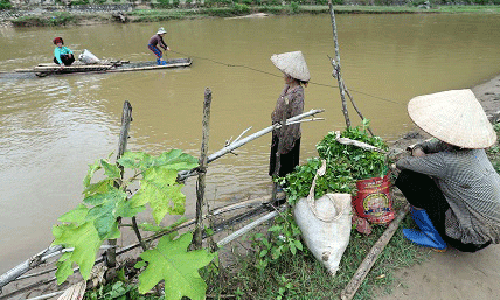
(174, 10)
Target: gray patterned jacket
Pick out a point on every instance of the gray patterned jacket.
(470, 185)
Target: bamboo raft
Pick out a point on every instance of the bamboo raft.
(118, 66)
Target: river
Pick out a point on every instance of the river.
(52, 128)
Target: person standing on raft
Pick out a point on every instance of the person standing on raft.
(453, 188)
(291, 103)
(157, 40)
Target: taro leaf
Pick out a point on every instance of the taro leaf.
(171, 262)
(159, 189)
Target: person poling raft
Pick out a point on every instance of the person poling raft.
(62, 55)
(157, 40)
(452, 186)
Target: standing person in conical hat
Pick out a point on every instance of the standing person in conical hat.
(452, 186)
(157, 40)
(296, 75)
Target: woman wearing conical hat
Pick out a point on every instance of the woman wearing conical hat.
(296, 75)
(452, 186)
(157, 40)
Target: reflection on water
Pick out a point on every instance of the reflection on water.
(52, 128)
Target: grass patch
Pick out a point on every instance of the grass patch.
(301, 276)
(59, 19)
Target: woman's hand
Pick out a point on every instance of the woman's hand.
(417, 151)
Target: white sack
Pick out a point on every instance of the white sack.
(87, 57)
(326, 240)
(325, 224)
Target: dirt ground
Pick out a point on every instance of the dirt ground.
(455, 275)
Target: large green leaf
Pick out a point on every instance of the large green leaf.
(159, 189)
(105, 193)
(97, 188)
(111, 170)
(84, 238)
(174, 159)
(109, 207)
(77, 215)
(79, 233)
(171, 262)
(132, 160)
(92, 169)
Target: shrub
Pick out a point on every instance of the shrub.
(5, 4)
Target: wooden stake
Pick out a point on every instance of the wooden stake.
(365, 266)
(122, 146)
(337, 69)
(200, 183)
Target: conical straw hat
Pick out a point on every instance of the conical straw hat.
(293, 64)
(455, 117)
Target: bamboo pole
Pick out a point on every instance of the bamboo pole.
(355, 106)
(29, 264)
(337, 69)
(348, 94)
(247, 228)
(365, 266)
(261, 204)
(200, 183)
(182, 176)
(122, 146)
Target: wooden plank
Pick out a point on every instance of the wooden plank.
(155, 67)
(365, 266)
(24, 70)
(109, 67)
(74, 68)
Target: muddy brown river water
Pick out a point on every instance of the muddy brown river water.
(52, 128)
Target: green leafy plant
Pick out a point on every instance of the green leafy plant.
(361, 163)
(337, 179)
(179, 270)
(284, 238)
(105, 203)
(4, 4)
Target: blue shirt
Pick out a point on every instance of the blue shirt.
(61, 51)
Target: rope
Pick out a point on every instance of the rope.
(279, 76)
(312, 204)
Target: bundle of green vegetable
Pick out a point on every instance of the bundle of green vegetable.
(345, 165)
(361, 163)
(337, 179)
